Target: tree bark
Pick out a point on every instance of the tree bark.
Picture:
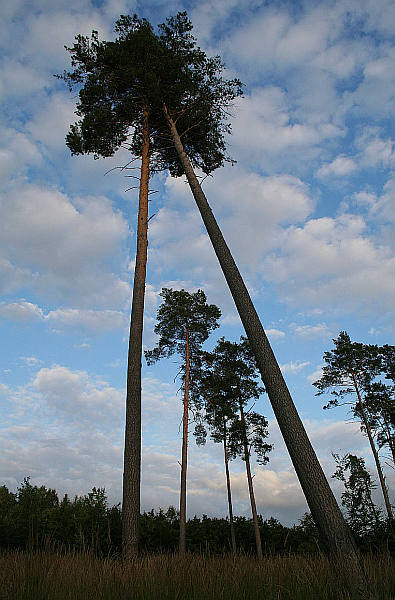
(132, 451)
(250, 485)
(373, 447)
(390, 438)
(324, 508)
(228, 488)
(183, 487)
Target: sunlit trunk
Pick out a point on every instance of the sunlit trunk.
(250, 485)
(229, 491)
(183, 488)
(132, 452)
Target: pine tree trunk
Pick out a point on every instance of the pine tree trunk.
(391, 439)
(389, 436)
(322, 503)
(232, 527)
(373, 448)
(183, 489)
(132, 452)
(250, 485)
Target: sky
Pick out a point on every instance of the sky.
(307, 211)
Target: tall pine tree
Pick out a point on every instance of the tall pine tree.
(227, 384)
(122, 85)
(350, 370)
(185, 321)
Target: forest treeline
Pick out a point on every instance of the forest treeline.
(35, 518)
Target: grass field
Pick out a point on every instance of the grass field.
(62, 576)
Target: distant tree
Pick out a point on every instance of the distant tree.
(350, 369)
(228, 383)
(379, 400)
(35, 512)
(184, 322)
(8, 503)
(363, 516)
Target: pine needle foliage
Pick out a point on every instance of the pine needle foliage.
(143, 68)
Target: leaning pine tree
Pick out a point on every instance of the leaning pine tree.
(198, 111)
(184, 322)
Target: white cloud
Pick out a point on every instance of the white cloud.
(21, 311)
(17, 154)
(266, 132)
(51, 122)
(79, 318)
(66, 245)
(294, 367)
(92, 320)
(275, 333)
(251, 210)
(330, 261)
(72, 396)
(79, 442)
(316, 375)
(307, 331)
(339, 167)
(375, 151)
(31, 361)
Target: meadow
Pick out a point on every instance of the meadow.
(59, 575)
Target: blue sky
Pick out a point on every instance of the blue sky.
(308, 212)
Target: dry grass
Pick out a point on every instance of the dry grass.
(61, 576)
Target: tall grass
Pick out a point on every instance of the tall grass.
(82, 576)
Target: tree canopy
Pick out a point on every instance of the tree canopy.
(141, 69)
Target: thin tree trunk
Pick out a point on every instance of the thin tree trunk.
(390, 438)
(183, 488)
(132, 452)
(232, 527)
(250, 485)
(373, 447)
(322, 503)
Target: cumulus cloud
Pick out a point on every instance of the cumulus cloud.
(77, 318)
(294, 367)
(339, 167)
(315, 375)
(21, 311)
(275, 333)
(65, 428)
(65, 246)
(375, 149)
(331, 260)
(307, 331)
(93, 320)
(267, 134)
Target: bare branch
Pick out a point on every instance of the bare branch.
(151, 217)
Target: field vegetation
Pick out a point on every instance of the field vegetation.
(83, 576)
(72, 549)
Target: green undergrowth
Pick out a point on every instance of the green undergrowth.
(82, 576)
